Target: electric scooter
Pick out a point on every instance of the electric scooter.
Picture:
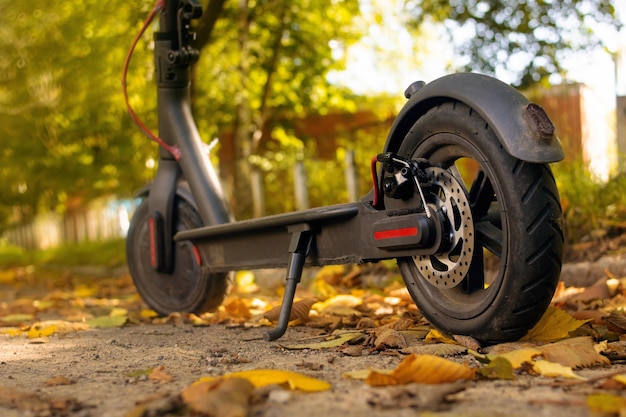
(480, 249)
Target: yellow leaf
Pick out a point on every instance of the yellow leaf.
(41, 331)
(11, 332)
(322, 289)
(607, 403)
(621, 378)
(263, 377)
(17, 318)
(107, 321)
(435, 336)
(146, 313)
(555, 324)
(554, 370)
(499, 368)
(518, 357)
(426, 369)
(118, 312)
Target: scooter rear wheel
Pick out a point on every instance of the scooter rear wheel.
(496, 276)
(189, 287)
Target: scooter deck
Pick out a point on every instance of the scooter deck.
(342, 234)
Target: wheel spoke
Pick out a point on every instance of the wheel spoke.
(481, 195)
(489, 236)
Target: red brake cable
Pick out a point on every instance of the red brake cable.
(160, 5)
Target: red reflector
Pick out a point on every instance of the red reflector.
(196, 255)
(153, 242)
(394, 233)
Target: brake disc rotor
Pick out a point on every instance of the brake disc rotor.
(447, 269)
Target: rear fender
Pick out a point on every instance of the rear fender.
(523, 128)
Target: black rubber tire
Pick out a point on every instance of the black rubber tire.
(522, 212)
(189, 287)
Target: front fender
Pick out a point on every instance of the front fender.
(523, 128)
(182, 191)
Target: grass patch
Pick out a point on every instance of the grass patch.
(590, 206)
(110, 253)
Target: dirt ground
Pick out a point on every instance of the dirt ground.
(102, 372)
(99, 366)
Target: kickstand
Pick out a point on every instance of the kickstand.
(301, 239)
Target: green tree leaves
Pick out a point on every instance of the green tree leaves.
(529, 38)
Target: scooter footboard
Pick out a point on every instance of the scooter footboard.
(348, 233)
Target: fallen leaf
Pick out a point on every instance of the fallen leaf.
(264, 377)
(58, 380)
(621, 378)
(50, 327)
(41, 331)
(427, 369)
(518, 357)
(341, 300)
(17, 318)
(438, 349)
(498, 368)
(578, 352)
(223, 397)
(616, 321)
(414, 396)
(435, 336)
(336, 341)
(159, 375)
(555, 324)
(107, 321)
(468, 341)
(237, 308)
(554, 370)
(389, 338)
(299, 310)
(607, 403)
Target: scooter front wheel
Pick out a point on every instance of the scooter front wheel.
(496, 273)
(189, 287)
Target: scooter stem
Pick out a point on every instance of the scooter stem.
(173, 59)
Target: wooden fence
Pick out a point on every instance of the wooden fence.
(101, 220)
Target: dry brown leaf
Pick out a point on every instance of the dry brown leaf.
(223, 397)
(438, 349)
(598, 291)
(299, 310)
(427, 369)
(616, 321)
(467, 341)
(389, 338)
(238, 309)
(578, 352)
(58, 380)
(414, 396)
(158, 375)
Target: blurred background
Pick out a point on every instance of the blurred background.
(295, 95)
